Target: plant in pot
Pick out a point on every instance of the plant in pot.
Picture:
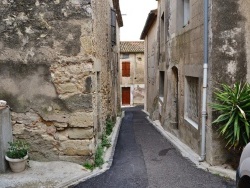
(233, 123)
(17, 155)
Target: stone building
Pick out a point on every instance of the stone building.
(132, 72)
(58, 68)
(174, 43)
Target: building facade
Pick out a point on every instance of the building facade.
(132, 73)
(175, 65)
(58, 68)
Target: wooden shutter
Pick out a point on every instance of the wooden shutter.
(126, 69)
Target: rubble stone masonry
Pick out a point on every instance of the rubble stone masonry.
(49, 61)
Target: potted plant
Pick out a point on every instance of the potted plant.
(17, 155)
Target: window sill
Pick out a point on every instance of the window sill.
(191, 122)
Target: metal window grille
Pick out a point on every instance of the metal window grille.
(192, 98)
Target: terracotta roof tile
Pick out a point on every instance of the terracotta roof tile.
(132, 46)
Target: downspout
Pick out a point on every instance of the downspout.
(205, 79)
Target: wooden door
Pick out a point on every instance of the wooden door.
(126, 95)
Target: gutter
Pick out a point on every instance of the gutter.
(205, 80)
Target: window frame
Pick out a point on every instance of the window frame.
(186, 12)
(191, 120)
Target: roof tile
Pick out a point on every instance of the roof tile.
(132, 46)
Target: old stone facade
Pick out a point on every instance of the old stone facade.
(58, 70)
(174, 40)
(132, 72)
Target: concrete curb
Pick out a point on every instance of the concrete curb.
(109, 154)
(190, 154)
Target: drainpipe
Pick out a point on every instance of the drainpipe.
(205, 78)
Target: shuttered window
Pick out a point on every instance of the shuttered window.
(126, 69)
(113, 27)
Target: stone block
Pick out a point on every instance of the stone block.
(67, 88)
(60, 125)
(26, 119)
(79, 102)
(81, 119)
(18, 129)
(77, 147)
(79, 133)
(61, 135)
(61, 118)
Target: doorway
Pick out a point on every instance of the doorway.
(125, 95)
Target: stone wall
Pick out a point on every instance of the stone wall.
(184, 57)
(181, 57)
(229, 61)
(55, 74)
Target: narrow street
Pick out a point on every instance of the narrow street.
(143, 158)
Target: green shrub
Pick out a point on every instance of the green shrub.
(233, 106)
(17, 150)
(99, 156)
(109, 127)
(89, 166)
(105, 141)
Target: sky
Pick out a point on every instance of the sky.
(135, 13)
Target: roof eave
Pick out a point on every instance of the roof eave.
(118, 12)
(149, 22)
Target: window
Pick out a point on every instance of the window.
(126, 69)
(186, 12)
(192, 100)
(125, 56)
(161, 85)
(162, 39)
(113, 27)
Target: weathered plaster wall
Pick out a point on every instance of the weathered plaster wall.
(228, 60)
(184, 57)
(244, 7)
(151, 72)
(54, 74)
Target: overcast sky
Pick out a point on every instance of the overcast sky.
(135, 13)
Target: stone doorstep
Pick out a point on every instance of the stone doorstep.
(187, 152)
(108, 157)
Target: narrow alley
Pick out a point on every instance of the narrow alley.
(143, 158)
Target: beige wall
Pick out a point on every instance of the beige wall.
(136, 79)
(151, 72)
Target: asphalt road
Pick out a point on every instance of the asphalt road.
(144, 159)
